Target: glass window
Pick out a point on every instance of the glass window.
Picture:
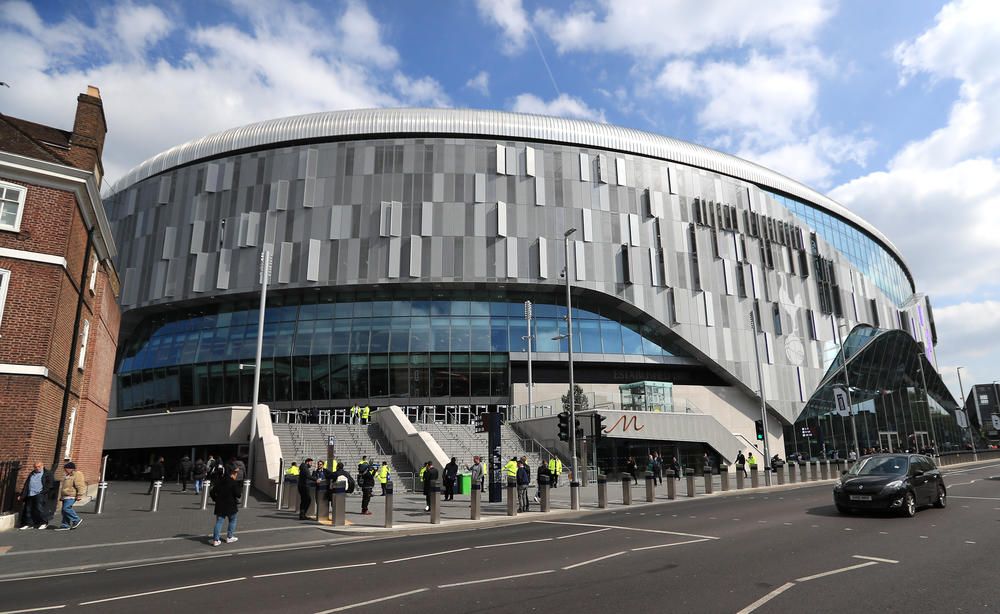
(611, 337)
(11, 206)
(460, 375)
(590, 336)
(631, 341)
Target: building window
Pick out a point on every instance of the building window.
(11, 206)
(4, 281)
(94, 263)
(811, 321)
(874, 310)
(776, 316)
(84, 338)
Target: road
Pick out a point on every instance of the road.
(780, 551)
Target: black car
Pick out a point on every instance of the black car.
(893, 482)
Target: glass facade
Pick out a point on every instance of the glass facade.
(873, 260)
(356, 350)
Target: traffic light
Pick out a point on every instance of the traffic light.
(760, 429)
(598, 426)
(564, 426)
(579, 429)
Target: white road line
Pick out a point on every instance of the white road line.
(423, 556)
(968, 542)
(835, 571)
(693, 541)
(51, 575)
(527, 541)
(874, 558)
(50, 607)
(961, 484)
(380, 599)
(600, 558)
(280, 550)
(756, 604)
(967, 470)
(584, 533)
(194, 558)
(583, 524)
(288, 573)
(163, 590)
(977, 498)
(520, 575)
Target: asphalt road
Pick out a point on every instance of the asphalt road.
(786, 551)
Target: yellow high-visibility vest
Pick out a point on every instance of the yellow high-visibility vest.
(383, 474)
(423, 470)
(752, 461)
(292, 470)
(511, 468)
(334, 464)
(365, 411)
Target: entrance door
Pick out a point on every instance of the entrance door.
(922, 439)
(888, 440)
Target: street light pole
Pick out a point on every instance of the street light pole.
(927, 402)
(763, 401)
(528, 338)
(569, 339)
(265, 276)
(968, 419)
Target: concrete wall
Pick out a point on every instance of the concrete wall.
(218, 425)
(419, 447)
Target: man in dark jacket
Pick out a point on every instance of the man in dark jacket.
(430, 477)
(226, 495)
(366, 480)
(523, 481)
(199, 473)
(543, 471)
(184, 472)
(449, 477)
(35, 494)
(156, 473)
(306, 482)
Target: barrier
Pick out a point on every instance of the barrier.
(740, 478)
(246, 493)
(824, 469)
(689, 474)
(650, 487)
(435, 502)
(602, 491)
(543, 490)
(814, 471)
(626, 489)
(339, 502)
(754, 477)
(791, 473)
(476, 500)
(574, 495)
(708, 482)
(511, 497)
(388, 505)
(780, 472)
(155, 503)
(724, 477)
(671, 485)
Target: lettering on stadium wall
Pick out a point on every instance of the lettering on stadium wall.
(626, 423)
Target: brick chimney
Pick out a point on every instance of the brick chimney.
(89, 128)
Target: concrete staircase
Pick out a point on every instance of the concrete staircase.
(301, 441)
(462, 442)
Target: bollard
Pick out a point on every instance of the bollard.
(740, 477)
(803, 475)
(791, 473)
(388, 505)
(293, 496)
(708, 482)
(207, 486)
(339, 505)
(246, 493)
(814, 471)
(780, 472)
(543, 490)
(754, 477)
(838, 469)
(650, 487)
(436, 502)
(574, 495)
(102, 491)
(671, 485)
(602, 491)
(511, 497)
(279, 484)
(689, 474)
(157, 485)
(316, 502)
(476, 488)
(824, 469)
(724, 477)
(626, 489)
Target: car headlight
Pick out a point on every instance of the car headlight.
(838, 484)
(891, 486)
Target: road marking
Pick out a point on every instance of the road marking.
(970, 469)
(584, 533)
(51, 607)
(756, 604)
(693, 541)
(423, 556)
(835, 571)
(923, 537)
(961, 484)
(278, 550)
(163, 590)
(380, 599)
(51, 575)
(874, 558)
(968, 542)
(527, 541)
(520, 575)
(288, 573)
(600, 558)
(977, 498)
(604, 526)
(787, 524)
(194, 558)
(883, 532)
(848, 529)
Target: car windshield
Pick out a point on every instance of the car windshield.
(880, 465)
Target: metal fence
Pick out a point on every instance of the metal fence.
(8, 485)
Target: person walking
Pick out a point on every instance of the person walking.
(199, 473)
(365, 413)
(184, 472)
(706, 463)
(226, 494)
(430, 477)
(632, 469)
(354, 413)
(543, 472)
(241, 469)
(306, 481)
(366, 480)
(741, 463)
(74, 487)
(675, 466)
(751, 461)
(383, 475)
(449, 477)
(555, 470)
(210, 464)
(156, 473)
(658, 468)
(476, 472)
(523, 481)
(38, 487)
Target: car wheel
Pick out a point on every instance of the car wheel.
(909, 505)
(842, 509)
(942, 498)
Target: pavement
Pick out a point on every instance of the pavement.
(781, 549)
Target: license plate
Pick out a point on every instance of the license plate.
(861, 497)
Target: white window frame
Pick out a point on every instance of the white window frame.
(23, 191)
(93, 274)
(84, 339)
(4, 283)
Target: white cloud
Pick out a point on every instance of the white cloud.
(814, 159)
(509, 15)
(361, 37)
(967, 334)
(562, 106)
(657, 29)
(422, 91)
(480, 83)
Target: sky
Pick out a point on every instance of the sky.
(892, 108)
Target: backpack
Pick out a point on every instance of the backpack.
(350, 483)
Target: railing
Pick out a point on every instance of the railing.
(8, 485)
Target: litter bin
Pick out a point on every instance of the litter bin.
(464, 483)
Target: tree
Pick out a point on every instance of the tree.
(579, 399)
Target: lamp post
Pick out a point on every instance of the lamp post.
(968, 419)
(265, 276)
(569, 347)
(927, 399)
(528, 338)
(763, 401)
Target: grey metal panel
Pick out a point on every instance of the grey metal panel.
(227, 176)
(279, 195)
(200, 283)
(511, 257)
(130, 287)
(197, 236)
(426, 219)
(588, 225)
(603, 172)
(385, 219)
(529, 161)
(395, 244)
(169, 238)
(225, 264)
(480, 191)
(633, 228)
(543, 258)
(164, 195)
(501, 162)
(501, 219)
(416, 245)
(285, 262)
(511, 165)
(620, 171)
(212, 177)
(584, 167)
(253, 229)
(539, 190)
(312, 265)
(396, 225)
(580, 261)
(671, 180)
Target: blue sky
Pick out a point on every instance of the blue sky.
(891, 107)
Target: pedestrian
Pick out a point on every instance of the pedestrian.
(430, 478)
(156, 473)
(706, 463)
(365, 413)
(510, 471)
(199, 473)
(675, 467)
(523, 481)
(184, 472)
(366, 480)
(476, 472)
(449, 477)
(383, 475)
(741, 463)
(555, 470)
(852, 456)
(632, 469)
(524, 459)
(74, 487)
(226, 494)
(241, 468)
(543, 472)
(354, 413)
(210, 464)
(658, 468)
(306, 481)
(38, 487)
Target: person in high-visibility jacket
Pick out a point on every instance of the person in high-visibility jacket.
(555, 469)
(365, 412)
(383, 475)
(334, 464)
(510, 469)
(355, 410)
(293, 470)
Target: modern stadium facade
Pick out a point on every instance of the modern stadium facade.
(406, 241)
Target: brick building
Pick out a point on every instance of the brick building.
(59, 316)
